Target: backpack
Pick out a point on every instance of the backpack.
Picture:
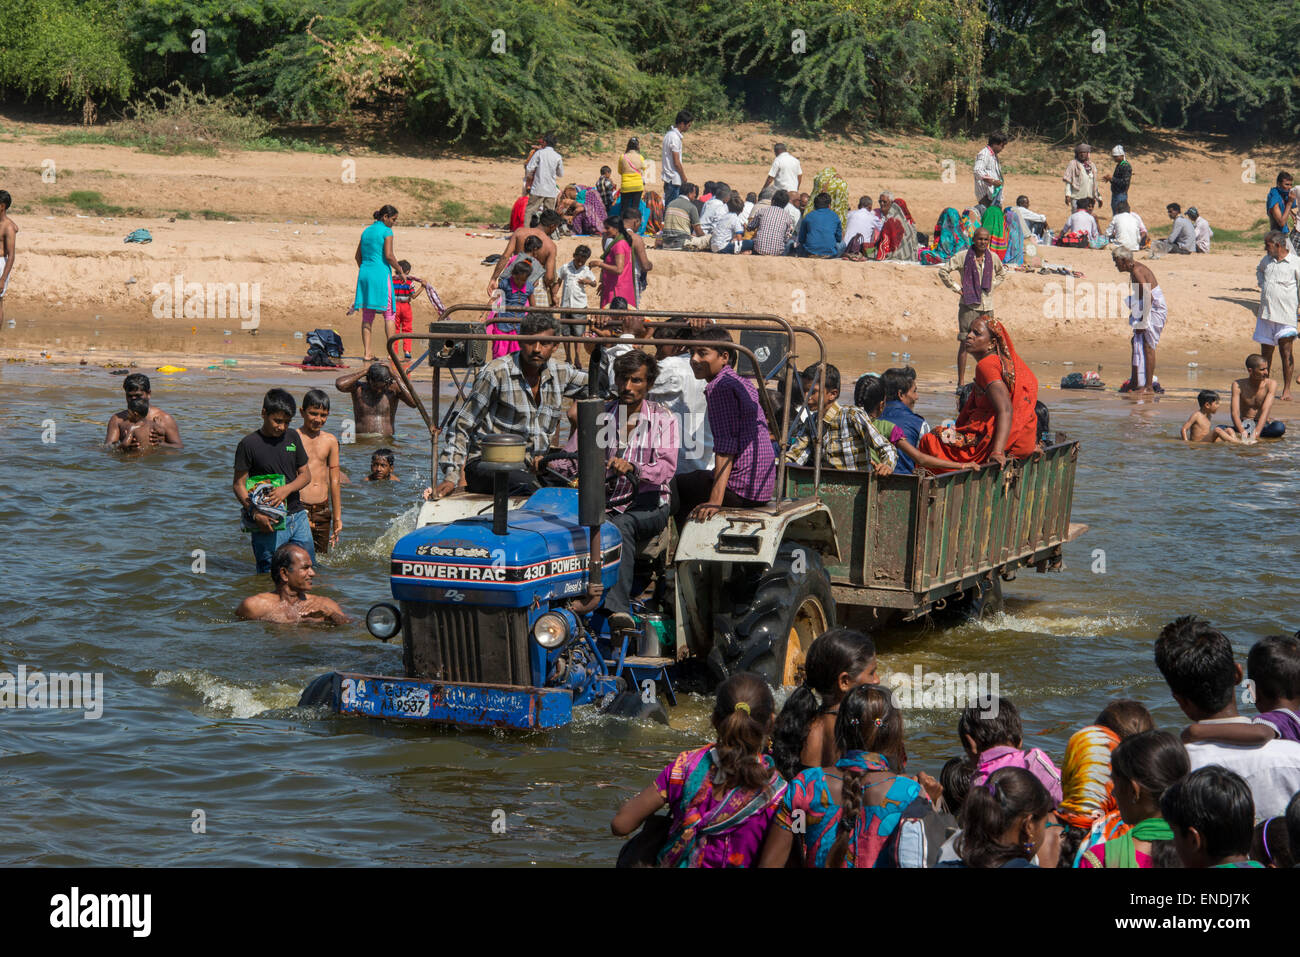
(324, 348)
(917, 838)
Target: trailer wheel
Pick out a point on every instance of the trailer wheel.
(984, 600)
(792, 606)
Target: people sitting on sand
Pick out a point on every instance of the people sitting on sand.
(773, 229)
(1126, 229)
(848, 438)
(291, 600)
(1201, 225)
(681, 219)
(1200, 428)
(520, 394)
(897, 237)
(999, 421)
(1036, 222)
(821, 233)
(1082, 220)
(141, 426)
(949, 239)
(1252, 402)
(375, 394)
(590, 220)
(1182, 235)
(862, 225)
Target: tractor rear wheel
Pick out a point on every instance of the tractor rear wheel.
(791, 607)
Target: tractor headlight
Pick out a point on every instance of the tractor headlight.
(383, 620)
(551, 630)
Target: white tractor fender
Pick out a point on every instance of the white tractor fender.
(754, 535)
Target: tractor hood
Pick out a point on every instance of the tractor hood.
(542, 557)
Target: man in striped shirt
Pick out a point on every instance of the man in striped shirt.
(849, 440)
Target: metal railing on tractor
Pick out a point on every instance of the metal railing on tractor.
(730, 321)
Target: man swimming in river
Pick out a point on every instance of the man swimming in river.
(291, 601)
(140, 426)
(1252, 399)
(375, 393)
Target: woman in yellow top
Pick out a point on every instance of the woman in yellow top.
(632, 165)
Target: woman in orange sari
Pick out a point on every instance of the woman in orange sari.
(999, 420)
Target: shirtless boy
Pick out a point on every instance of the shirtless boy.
(292, 601)
(375, 393)
(1199, 428)
(321, 495)
(1252, 398)
(141, 427)
(8, 238)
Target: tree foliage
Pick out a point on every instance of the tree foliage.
(497, 71)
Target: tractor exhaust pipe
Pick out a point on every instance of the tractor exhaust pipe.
(502, 454)
(591, 488)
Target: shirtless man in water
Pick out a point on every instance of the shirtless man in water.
(1252, 398)
(8, 239)
(140, 427)
(548, 223)
(292, 601)
(375, 393)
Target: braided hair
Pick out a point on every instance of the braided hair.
(868, 721)
(837, 651)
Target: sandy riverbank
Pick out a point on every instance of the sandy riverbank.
(287, 225)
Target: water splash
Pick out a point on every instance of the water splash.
(226, 698)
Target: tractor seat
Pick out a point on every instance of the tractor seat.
(662, 545)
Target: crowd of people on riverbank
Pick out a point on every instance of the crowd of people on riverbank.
(824, 783)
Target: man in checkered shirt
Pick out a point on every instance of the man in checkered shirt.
(518, 394)
(849, 440)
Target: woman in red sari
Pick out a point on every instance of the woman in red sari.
(999, 420)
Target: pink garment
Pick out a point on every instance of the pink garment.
(502, 347)
(624, 284)
(651, 445)
(1035, 761)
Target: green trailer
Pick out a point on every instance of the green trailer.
(910, 544)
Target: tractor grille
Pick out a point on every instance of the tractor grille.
(457, 643)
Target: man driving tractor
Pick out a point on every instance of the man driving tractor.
(518, 394)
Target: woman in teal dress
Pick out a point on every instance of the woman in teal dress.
(376, 263)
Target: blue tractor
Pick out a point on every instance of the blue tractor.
(500, 614)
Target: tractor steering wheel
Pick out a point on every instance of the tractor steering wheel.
(548, 476)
